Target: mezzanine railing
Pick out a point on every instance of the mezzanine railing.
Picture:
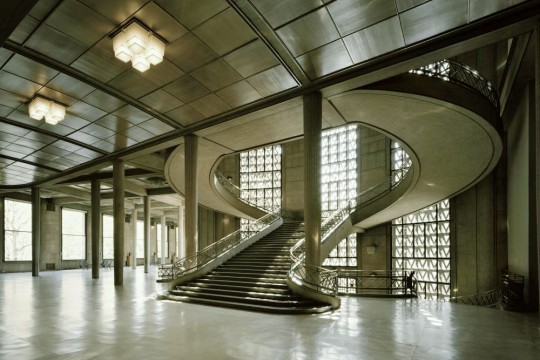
(376, 282)
(452, 71)
(245, 195)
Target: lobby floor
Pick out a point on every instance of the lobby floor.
(68, 315)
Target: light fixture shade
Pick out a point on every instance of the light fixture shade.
(49, 119)
(137, 43)
(136, 38)
(38, 108)
(155, 50)
(57, 112)
(121, 50)
(140, 63)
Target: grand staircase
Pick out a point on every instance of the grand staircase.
(255, 279)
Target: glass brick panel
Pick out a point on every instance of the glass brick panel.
(421, 240)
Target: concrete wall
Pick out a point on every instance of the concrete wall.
(379, 237)
(292, 180)
(518, 189)
(214, 225)
(374, 158)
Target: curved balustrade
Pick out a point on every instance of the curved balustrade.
(213, 251)
(449, 70)
(324, 280)
(244, 195)
(376, 282)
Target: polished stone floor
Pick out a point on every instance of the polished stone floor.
(67, 315)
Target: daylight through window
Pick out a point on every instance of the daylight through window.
(17, 230)
(73, 234)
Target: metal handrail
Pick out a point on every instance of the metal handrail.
(243, 195)
(213, 251)
(388, 282)
(322, 279)
(449, 70)
(489, 298)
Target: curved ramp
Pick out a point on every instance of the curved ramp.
(452, 146)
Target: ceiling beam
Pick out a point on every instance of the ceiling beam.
(166, 190)
(13, 12)
(265, 32)
(30, 163)
(129, 173)
(79, 75)
(52, 134)
(130, 188)
(150, 162)
(72, 192)
(515, 56)
(511, 22)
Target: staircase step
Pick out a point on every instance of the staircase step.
(255, 279)
(269, 284)
(241, 293)
(310, 309)
(213, 285)
(242, 299)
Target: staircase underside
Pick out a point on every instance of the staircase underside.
(452, 147)
(255, 279)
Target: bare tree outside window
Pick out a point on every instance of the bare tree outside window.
(18, 230)
(73, 234)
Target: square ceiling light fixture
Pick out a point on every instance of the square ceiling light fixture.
(40, 107)
(135, 42)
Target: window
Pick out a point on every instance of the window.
(339, 184)
(17, 230)
(108, 234)
(73, 234)
(421, 241)
(140, 239)
(159, 241)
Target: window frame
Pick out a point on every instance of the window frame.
(5, 230)
(85, 236)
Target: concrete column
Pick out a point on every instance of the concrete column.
(95, 223)
(119, 218)
(163, 237)
(146, 233)
(535, 150)
(134, 252)
(36, 230)
(181, 249)
(312, 176)
(190, 168)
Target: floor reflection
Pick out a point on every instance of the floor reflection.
(67, 314)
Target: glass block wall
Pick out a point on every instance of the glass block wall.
(339, 184)
(421, 241)
(260, 179)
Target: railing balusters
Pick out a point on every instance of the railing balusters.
(326, 280)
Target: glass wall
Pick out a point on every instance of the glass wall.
(339, 184)
(73, 234)
(17, 230)
(421, 241)
(260, 180)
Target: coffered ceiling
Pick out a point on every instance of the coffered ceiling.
(222, 58)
